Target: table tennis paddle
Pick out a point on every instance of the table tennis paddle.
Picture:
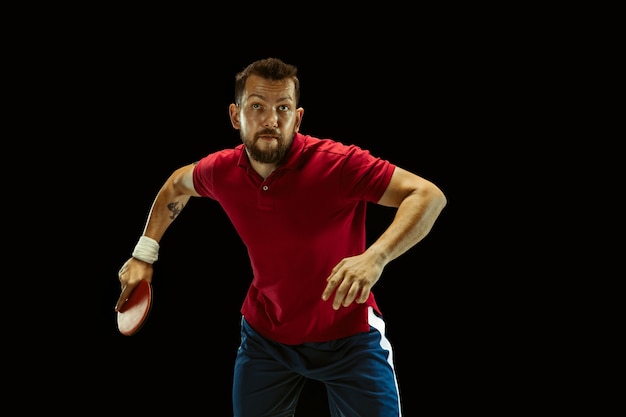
(135, 310)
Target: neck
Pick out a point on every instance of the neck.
(264, 170)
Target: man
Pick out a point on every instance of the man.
(299, 205)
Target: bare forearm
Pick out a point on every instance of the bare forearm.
(414, 219)
(163, 212)
(168, 204)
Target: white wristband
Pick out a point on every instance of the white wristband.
(147, 250)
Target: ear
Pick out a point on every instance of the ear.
(299, 114)
(233, 111)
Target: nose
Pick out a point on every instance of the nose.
(271, 118)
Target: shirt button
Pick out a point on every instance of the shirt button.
(265, 188)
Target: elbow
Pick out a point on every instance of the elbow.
(440, 197)
(182, 182)
(436, 198)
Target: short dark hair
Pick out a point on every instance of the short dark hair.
(270, 69)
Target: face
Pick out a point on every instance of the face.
(267, 118)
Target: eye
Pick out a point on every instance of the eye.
(283, 108)
(255, 106)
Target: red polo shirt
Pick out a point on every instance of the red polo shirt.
(297, 225)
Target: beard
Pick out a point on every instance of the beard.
(268, 156)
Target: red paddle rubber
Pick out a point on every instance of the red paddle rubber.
(135, 310)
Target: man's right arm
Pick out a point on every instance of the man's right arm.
(167, 205)
(170, 201)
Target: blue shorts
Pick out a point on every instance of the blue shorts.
(357, 371)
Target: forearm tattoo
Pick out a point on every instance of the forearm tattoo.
(175, 209)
